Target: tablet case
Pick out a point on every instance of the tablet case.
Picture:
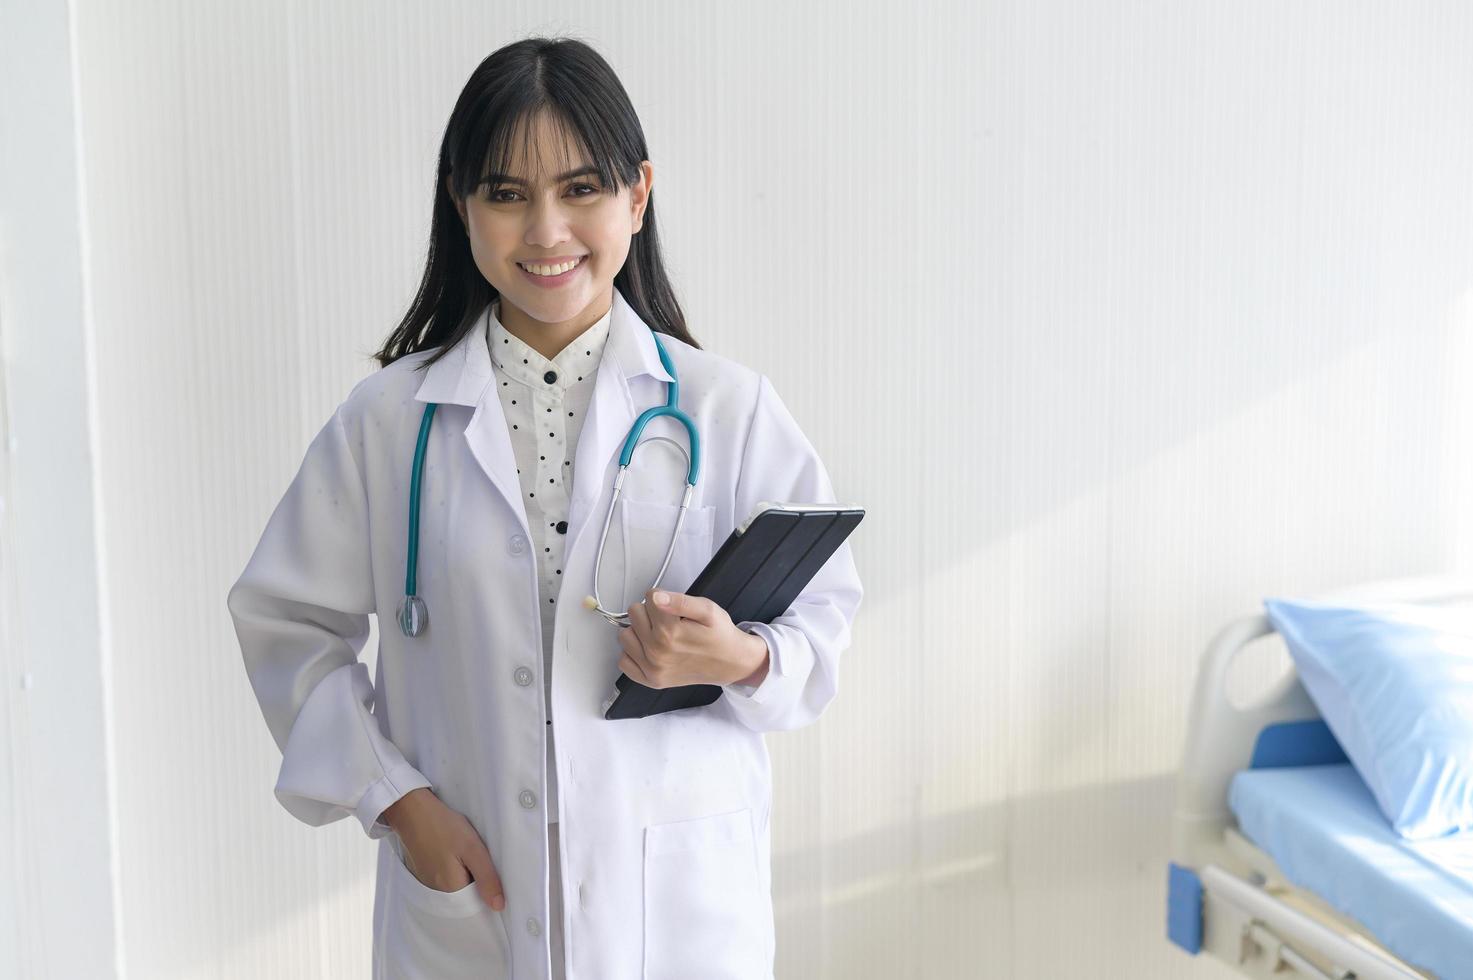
(755, 575)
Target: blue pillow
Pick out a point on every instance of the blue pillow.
(1395, 685)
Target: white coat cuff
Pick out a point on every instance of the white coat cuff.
(790, 659)
(336, 760)
(385, 793)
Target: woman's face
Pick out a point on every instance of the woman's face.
(549, 218)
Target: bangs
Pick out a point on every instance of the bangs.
(501, 142)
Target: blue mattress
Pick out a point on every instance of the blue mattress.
(1323, 829)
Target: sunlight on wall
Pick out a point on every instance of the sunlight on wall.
(1457, 444)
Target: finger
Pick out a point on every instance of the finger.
(666, 615)
(477, 860)
(657, 643)
(639, 623)
(683, 606)
(635, 671)
(634, 650)
(665, 626)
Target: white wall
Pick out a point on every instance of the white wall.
(1117, 317)
(57, 874)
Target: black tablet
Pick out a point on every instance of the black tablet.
(755, 575)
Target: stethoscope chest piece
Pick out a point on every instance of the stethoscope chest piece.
(414, 616)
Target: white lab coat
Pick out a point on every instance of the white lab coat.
(665, 820)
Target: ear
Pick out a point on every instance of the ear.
(459, 205)
(640, 193)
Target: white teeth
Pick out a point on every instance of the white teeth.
(550, 270)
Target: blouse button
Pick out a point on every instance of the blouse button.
(562, 527)
(550, 377)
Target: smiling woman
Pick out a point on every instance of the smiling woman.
(543, 163)
(544, 347)
(551, 247)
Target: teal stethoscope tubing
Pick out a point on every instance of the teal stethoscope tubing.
(413, 615)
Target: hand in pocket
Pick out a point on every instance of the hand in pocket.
(441, 848)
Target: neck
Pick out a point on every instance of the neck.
(549, 339)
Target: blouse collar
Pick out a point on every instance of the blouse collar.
(578, 361)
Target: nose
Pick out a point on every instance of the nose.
(547, 224)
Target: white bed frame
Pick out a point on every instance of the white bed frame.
(1250, 916)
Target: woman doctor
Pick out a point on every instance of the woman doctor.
(520, 833)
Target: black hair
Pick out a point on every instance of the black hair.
(579, 92)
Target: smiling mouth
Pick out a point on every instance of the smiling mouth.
(549, 271)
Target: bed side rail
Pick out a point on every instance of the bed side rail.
(1221, 740)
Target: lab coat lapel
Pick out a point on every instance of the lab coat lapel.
(463, 377)
(630, 368)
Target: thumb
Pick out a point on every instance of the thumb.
(488, 883)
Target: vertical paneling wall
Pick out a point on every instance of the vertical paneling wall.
(1117, 316)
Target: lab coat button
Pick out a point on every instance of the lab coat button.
(523, 676)
(517, 544)
(528, 798)
(534, 928)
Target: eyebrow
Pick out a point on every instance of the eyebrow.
(507, 179)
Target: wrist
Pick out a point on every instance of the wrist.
(394, 812)
(759, 650)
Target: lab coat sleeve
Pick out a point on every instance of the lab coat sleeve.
(301, 615)
(804, 644)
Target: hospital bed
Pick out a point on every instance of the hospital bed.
(1282, 864)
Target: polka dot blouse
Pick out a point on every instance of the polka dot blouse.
(544, 402)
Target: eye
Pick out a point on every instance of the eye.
(492, 193)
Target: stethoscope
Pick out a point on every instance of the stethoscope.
(414, 616)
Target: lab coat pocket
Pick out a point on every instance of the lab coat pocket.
(703, 910)
(645, 530)
(430, 934)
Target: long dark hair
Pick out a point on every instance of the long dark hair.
(578, 90)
